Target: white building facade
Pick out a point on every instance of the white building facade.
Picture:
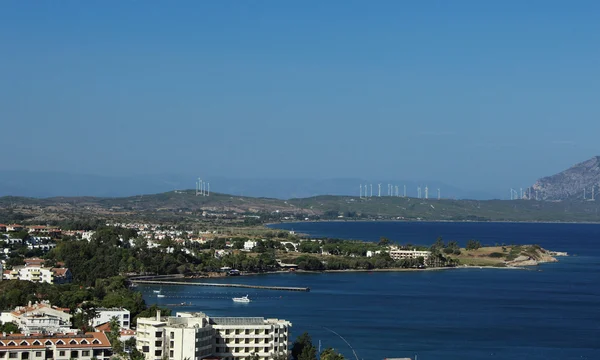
(399, 254)
(197, 336)
(106, 315)
(39, 317)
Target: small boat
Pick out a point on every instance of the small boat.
(243, 299)
(160, 296)
(156, 291)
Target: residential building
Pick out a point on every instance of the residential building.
(14, 227)
(249, 245)
(39, 317)
(93, 345)
(2, 228)
(197, 336)
(105, 315)
(398, 254)
(34, 271)
(371, 253)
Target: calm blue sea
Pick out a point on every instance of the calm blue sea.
(549, 312)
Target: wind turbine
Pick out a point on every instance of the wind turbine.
(379, 192)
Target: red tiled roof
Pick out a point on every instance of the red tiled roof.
(62, 341)
(60, 271)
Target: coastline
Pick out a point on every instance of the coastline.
(267, 225)
(279, 272)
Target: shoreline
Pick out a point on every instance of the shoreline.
(431, 221)
(279, 272)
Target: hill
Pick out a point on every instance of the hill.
(576, 183)
(184, 206)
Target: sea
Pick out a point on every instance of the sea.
(551, 311)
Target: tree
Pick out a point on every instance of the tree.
(331, 354)
(114, 335)
(9, 328)
(383, 241)
(473, 245)
(303, 341)
(308, 353)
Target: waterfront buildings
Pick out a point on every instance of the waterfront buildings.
(93, 345)
(197, 336)
(399, 254)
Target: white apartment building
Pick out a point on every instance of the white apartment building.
(398, 254)
(105, 315)
(94, 345)
(39, 317)
(197, 336)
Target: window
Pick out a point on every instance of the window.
(125, 323)
(146, 349)
(37, 342)
(61, 353)
(13, 355)
(24, 343)
(158, 334)
(73, 342)
(24, 355)
(158, 343)
(126, 316)
(172, 344)
(218, 350)
(171, 353)
(74, 354)
(96, 341)
(60, 342)
(38, 354)
(85, 342)
(157, 352)
(48, 343)
(85, 353)
(172, 335)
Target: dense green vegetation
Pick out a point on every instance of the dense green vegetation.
(303, 349)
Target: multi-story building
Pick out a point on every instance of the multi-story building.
(104, 315)
(94, 345)
(34, 271)
(398, 254)
(197, 336)
(39, 317)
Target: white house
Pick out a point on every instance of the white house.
(105, 315)
(249, 245)
(371, 253)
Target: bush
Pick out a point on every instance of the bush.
(496, 255)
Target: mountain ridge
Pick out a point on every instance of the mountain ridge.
(578, 182)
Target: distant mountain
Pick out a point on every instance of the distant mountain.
(50, 184)
(573, 183)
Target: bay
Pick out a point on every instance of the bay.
(548, 312)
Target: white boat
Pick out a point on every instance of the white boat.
(243, 299)
(160, 296)
(156, 291)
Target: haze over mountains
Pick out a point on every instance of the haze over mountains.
(566, 185)
(50, 184)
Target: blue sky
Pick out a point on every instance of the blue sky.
(480, 94)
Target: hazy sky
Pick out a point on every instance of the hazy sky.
(486, 94)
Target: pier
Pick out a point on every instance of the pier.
(281, 288)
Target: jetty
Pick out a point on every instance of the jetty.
(261, 287)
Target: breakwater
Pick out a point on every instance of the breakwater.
(185, 283)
